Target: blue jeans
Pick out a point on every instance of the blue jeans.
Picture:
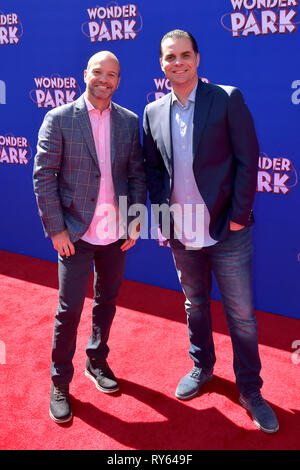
(230, 261)
(73, 274)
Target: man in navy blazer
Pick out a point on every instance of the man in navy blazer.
(201, 156)
(88, 170)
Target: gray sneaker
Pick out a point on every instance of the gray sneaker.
(262, 414)
(101, 374)
(190, 385)
(60, 408)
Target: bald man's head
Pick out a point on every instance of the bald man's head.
(102, 55)
(102, 78)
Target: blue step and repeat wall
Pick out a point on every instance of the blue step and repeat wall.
(251, 44)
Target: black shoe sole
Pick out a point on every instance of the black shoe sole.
(102, 389)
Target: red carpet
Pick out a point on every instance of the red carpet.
(149, 354)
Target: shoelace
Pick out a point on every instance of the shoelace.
(101, 364)
(61, 392)
(195, 372)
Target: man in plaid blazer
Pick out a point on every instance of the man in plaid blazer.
(88, 159)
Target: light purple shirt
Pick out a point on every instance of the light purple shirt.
(191, 216)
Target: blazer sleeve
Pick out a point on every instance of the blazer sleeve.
(47, 164)
(246, 152)
(136, 169)
(155, 167)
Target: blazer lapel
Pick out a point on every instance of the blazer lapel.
(115, 124)
(85, 125)
(203, 104)
(165, 120)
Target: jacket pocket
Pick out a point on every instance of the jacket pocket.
(66, 200)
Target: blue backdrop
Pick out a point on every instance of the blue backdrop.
(254, 45)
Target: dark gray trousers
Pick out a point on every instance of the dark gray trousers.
(73, 275)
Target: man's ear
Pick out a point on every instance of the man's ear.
(161, 64)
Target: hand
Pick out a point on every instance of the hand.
(134, 234)
(234, 226)
(62, 243)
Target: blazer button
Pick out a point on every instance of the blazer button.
(93, 199)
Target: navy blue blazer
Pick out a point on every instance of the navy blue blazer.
(225, 154)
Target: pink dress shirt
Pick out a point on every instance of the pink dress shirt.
(106, 226)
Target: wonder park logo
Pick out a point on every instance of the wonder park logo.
(14, 150)
(163, 86)
(260, 17)
(112, 23)
(11, 28)
(54, 91)
(275, 175)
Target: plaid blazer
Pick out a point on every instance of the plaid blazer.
(66, 175)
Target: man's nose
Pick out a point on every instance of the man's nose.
(102, 78)
(178, 61)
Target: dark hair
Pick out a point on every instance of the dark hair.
(179, 33)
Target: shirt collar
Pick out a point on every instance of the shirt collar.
(190, 99)
(90, 107)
